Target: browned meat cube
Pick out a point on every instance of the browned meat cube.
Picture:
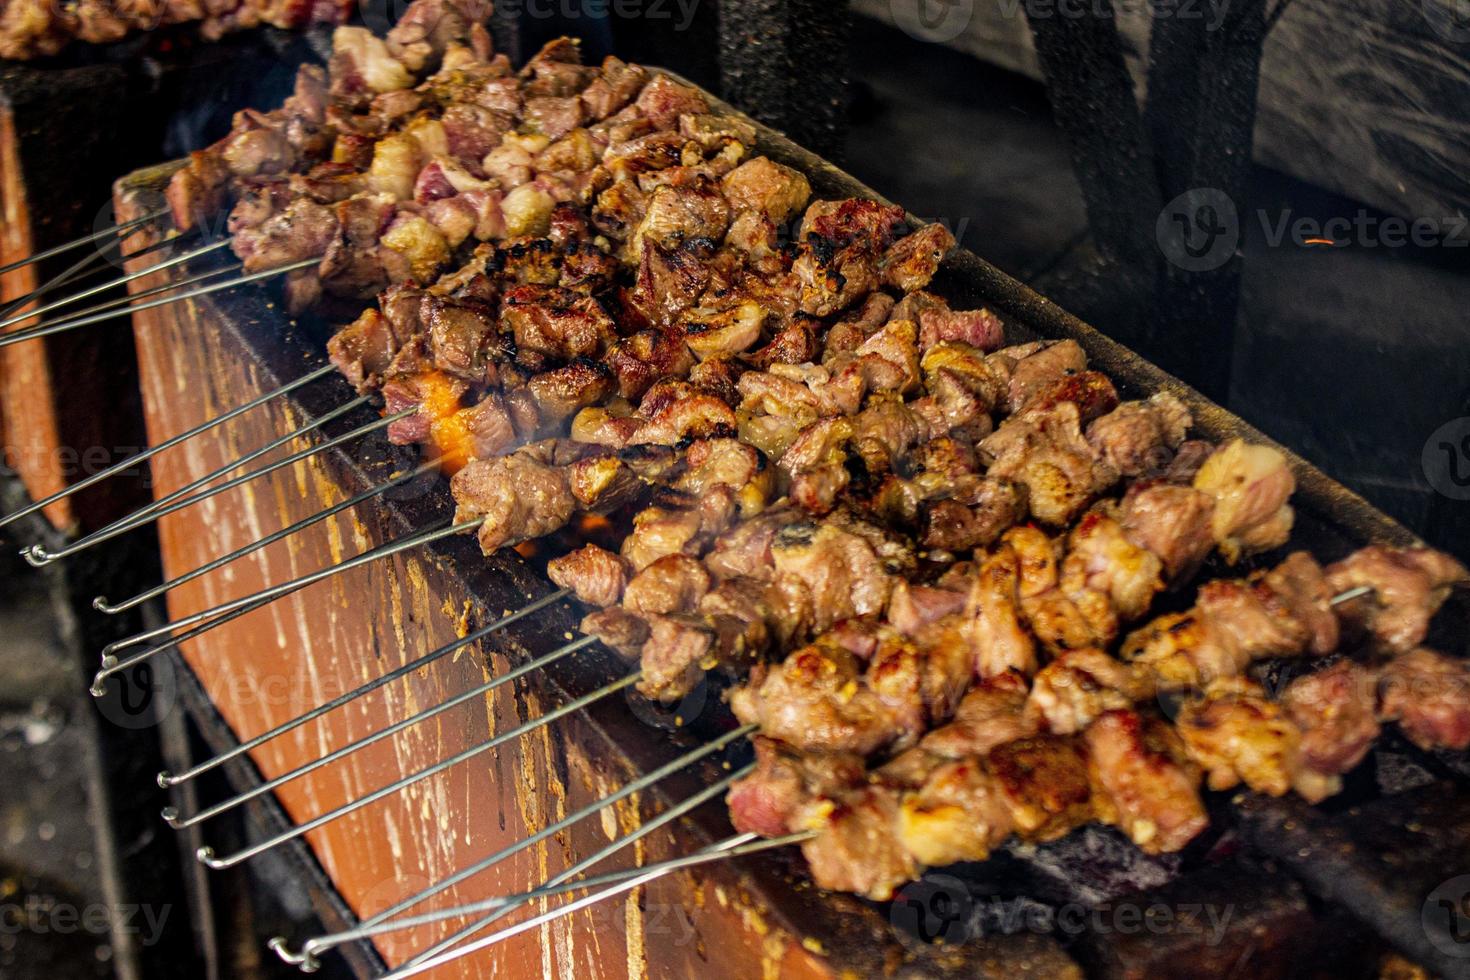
(1149, 788)
(1428, 694)
(595, 575)
(519, 496)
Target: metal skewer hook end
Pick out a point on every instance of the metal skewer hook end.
(36, 556)
(305, 961)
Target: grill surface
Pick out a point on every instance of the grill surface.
(201, 358)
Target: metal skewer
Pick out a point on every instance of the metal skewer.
(173, 819)
(152, 451)
(166, 779)
(113, 283)
(296, 457)
(276, 591)
(38, 555)
(668, 816)
(102, 605)
(379, 924)
(120, 303)
(637, 785)
(76, 270)
(127, 226)
(42, 331)
(619, 881)
(207, 855)
(114, 666)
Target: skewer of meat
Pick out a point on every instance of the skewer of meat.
(36, 28)
(507, 348)
(820, 585)
(1010, 763)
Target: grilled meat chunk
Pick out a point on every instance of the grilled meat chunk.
(1335, 709)
(1074, 690)
(767, 801)
(1428, 694)
(1148, 787)
(1408, 585)
(1236, 734)
(1251, 485)
(595, 575)
(1139, 438)
(622, 631)
(520, 497)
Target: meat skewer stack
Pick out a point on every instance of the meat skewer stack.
(407, 147)
(817, 456)
(39, 28)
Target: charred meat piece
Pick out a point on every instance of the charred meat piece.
(767, 801)
(1148, 787)
(675, 657)
(1044, 782)
(958, 813)
(595, 575)
(1428, 694)
(990, 714)
(1080, 686)
(836, 571)
(1139, 438)
(1046, 452)
(1408, 585)
(1171, 522)
(1237, 735)
(520, 497)
(672, 584)
(911, 262)
(1101, 557)
(622, 631)
(1335, 710)
(1002, 642)
(858, 849)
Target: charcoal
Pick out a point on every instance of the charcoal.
(1401, 864)
(1234, 919)
(1091, 865)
